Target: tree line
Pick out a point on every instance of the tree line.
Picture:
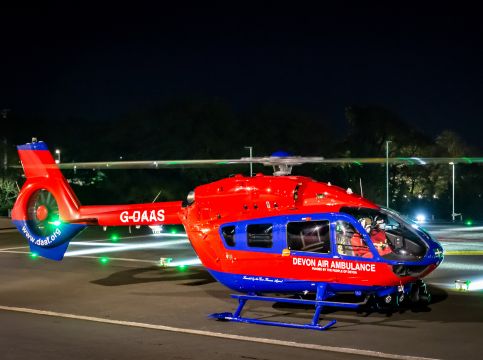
(211, 128)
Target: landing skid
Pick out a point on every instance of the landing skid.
(319, 303)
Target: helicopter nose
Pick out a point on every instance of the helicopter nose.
(438, 253)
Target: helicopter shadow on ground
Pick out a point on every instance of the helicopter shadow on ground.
(191, 277)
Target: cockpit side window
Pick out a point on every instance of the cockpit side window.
(394, 237)
(349, 241)
(313, 236)
(229, 235)
(259, 235)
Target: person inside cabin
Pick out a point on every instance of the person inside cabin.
(350, 242)
(358, 243)
(377, 233)
(378, 237)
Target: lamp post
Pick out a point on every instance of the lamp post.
(57, 152)
(387, 173)
(5, 155)
(4, 113)
(250, 149)
(453, 215)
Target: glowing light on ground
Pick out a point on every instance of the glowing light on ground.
(185, 262)
(157, 229)
(476, 285)
(469, 285)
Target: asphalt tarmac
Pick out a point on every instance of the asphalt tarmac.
(129, 307)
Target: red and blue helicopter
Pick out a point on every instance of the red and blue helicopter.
(270, 238)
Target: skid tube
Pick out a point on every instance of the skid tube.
(319, 303)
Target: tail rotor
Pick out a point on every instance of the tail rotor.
(43, 212)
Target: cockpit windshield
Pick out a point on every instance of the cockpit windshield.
(394, 237)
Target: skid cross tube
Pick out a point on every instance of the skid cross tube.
(319, 303)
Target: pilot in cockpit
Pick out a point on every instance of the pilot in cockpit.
(377, 233)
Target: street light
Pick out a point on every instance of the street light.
(387, 173)
(453, 214)
(3, 114)
(57, 152)
(250, 149)
(5, 156)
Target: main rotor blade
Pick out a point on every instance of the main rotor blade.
(407, 160)
(158, 164)
(267, 161)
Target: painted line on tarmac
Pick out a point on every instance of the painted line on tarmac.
(14, 248)
(371, 353)
(463, 252)
(457, 229)
(461, 266)
(7, 251)
(89, 257)
(119, 259)
(8, 230)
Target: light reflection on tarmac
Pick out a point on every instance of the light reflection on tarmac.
(463, 247)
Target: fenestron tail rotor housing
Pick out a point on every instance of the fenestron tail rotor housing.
(43, 212)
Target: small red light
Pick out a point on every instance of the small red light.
(42, 213)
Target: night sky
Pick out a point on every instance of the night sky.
(425, 64)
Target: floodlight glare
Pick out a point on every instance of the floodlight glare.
(420, 218)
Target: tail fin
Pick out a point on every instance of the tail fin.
(46, 204)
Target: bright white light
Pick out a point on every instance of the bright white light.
(420, 218)
(462, 285)
(157, 229)
(469, 285)
(476, 285)
(192, 261)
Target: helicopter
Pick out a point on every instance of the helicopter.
(275, 238)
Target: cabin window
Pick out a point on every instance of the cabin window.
(349, 241)
(229, 235)
(259, 235)
(313, 236)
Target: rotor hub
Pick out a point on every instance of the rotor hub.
(42, 213)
